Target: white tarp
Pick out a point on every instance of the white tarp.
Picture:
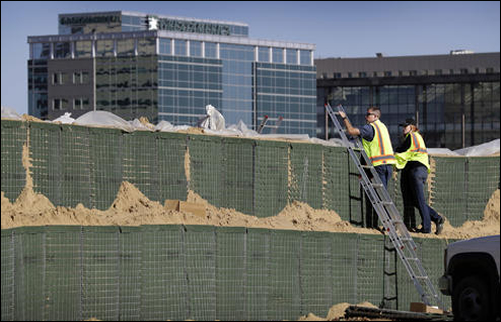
(214, 120)
(103, 118)
(65, 119)
(484, 149)
(441, 151)
(9, 113)
(165, 126)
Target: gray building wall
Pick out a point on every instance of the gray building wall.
(77, 84)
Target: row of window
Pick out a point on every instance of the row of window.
(462, 71)
(177, 47)
(78, 78)
(81, 103)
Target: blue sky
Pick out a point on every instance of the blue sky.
(338, 29)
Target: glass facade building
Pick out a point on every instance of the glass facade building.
(455, 99)
(170, 68)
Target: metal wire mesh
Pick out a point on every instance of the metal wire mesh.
(13, 174)
(195, 272)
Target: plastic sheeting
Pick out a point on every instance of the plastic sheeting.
(480, 150)
(9, 113)
(214, 119)
(103, 118)
(65, 119)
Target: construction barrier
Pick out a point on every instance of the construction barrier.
(176, 272)
(75, 164)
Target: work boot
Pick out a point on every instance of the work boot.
(440, 225)
(422, 231)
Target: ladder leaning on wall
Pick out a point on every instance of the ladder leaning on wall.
(389, 216)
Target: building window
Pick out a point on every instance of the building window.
(263, 54)
(278, 55)
(195, 48)
(180, 47)
(62, 50)
(80, 103)
(165, 47)
(292, 56)
(210, 50)
(80, 77)
(59, 104)
(40, 51)
(305, 57)
(58, 79)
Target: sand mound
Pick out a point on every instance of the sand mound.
(132, 208)
(335, 312)
(491, 212)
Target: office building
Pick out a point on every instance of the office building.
(454, 97)
(170, 68)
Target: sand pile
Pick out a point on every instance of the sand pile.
(335, 312)
(132, 208)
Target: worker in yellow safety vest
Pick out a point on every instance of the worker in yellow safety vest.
(412, 157)
(377, 146)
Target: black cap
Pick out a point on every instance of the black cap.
(408, 122)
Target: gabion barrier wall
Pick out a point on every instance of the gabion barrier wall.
(175, 272)
(76, 164)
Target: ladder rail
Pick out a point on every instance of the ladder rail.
(389, 216)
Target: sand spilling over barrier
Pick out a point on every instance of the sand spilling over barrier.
(132, 208)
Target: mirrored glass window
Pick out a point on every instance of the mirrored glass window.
(146, 46)
(165, 46)
(278, 55)
(210, 50)
(125, 47)
(40, 50)
(195, 48)
(104, 48)
(305, 57)
(180, 47)
(291, 56)
(263, 54)
(83, 49)
(62, 50)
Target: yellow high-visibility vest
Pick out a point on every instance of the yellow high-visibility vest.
(379, 150)
(416, 152)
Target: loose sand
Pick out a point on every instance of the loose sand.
(335, 313)
(132, 208)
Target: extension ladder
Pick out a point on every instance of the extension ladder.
(389, 216)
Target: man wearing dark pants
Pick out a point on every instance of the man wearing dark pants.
(377, 146)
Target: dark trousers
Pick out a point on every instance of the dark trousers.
(412, 182)
(371, 218)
